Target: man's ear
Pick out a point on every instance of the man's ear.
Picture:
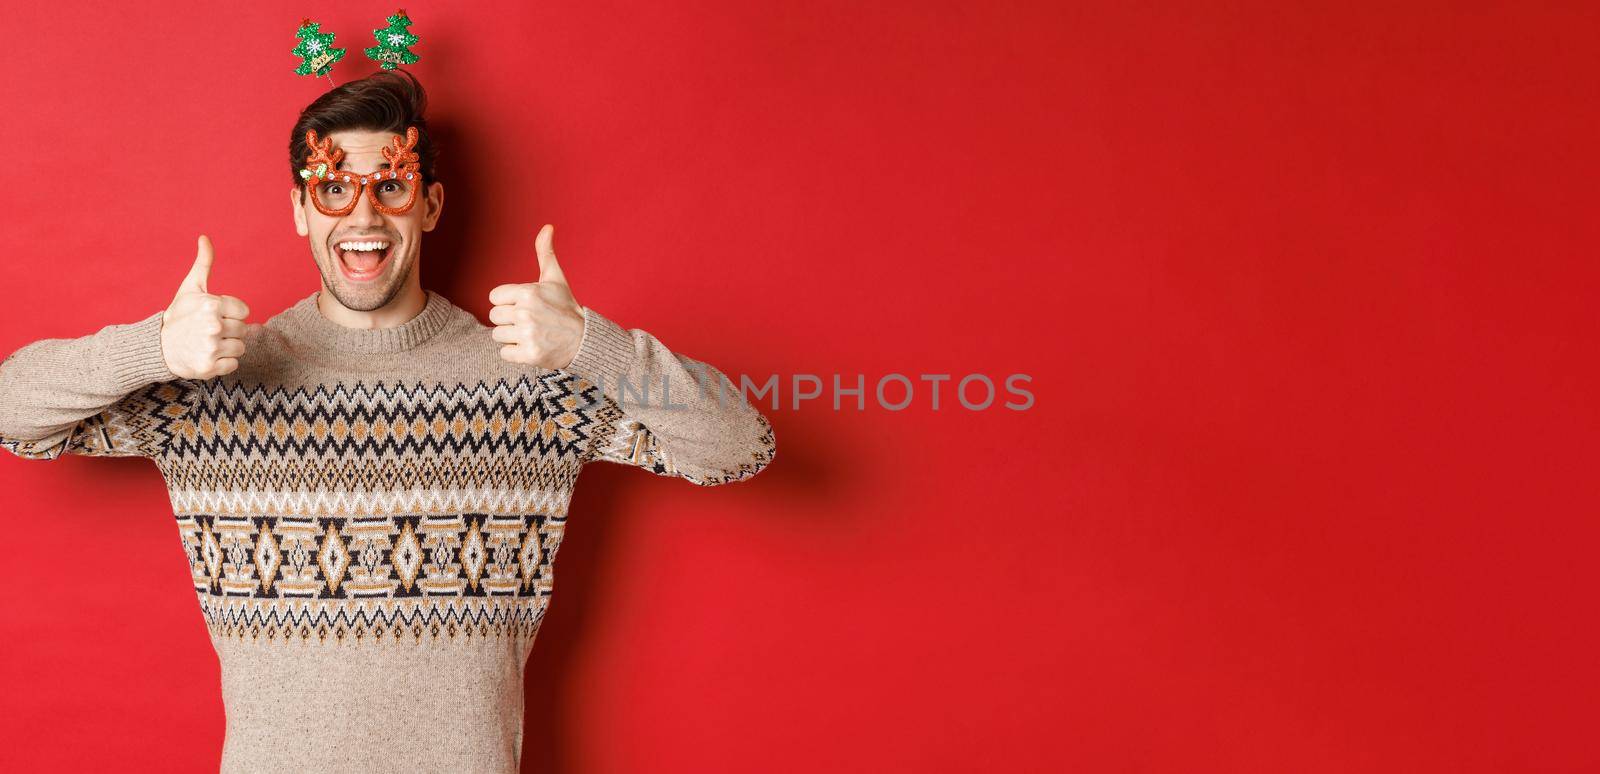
(300, 226)
(433, 205)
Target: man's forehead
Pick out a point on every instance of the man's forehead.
(362, 148)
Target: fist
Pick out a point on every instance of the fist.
(540, 323)
(202, 335)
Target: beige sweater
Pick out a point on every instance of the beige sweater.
(371, 517)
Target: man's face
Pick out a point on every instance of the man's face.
(364, 279)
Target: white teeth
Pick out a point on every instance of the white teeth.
(347, 246)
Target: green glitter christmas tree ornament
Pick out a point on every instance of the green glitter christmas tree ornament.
(316, 50)
(394, 42)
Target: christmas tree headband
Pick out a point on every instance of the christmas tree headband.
(318, 54)
(334, 191)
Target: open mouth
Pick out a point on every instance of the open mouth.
(363, 259)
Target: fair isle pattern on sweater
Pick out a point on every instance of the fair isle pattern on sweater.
(360, 489)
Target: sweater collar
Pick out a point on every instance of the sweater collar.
(322, 332)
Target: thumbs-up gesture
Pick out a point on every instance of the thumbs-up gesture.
(202, 335)
(540, 323)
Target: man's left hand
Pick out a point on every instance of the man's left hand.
(540, 323)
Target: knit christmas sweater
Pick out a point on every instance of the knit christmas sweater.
(371, 516)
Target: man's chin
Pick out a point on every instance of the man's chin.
(365, 299)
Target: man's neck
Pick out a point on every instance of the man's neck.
(407, 304)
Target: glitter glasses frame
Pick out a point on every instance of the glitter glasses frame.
(322, 166)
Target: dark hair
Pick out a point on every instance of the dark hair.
(381, 102)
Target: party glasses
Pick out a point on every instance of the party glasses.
(335, 191)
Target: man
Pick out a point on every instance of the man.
(372, 485)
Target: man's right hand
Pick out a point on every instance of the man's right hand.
(202, 335)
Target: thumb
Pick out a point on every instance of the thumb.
(201, 271)
(549, 269)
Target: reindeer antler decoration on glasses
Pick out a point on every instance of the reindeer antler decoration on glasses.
(335, 191)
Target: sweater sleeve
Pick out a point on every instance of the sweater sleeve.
(669, 414)
(107, 394)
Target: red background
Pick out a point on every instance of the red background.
(1307, 297)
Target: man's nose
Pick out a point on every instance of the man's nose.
(364, 214)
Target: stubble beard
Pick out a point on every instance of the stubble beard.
(367, 299)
